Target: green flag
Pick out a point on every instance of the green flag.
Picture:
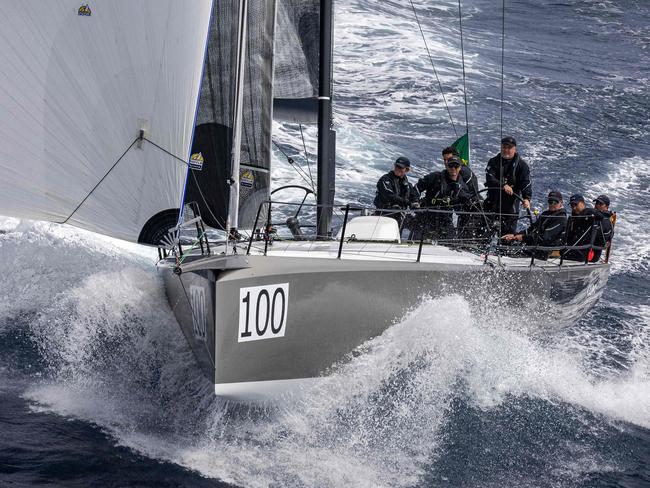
(462, 146)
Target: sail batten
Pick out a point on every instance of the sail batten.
(75, 90)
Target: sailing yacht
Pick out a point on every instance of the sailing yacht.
(148, 120)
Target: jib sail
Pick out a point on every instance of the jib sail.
(210, 163)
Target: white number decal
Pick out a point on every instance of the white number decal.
(263, 312)
(197, 294)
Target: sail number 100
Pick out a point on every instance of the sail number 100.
(263, 312)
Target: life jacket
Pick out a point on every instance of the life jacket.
(444, 192)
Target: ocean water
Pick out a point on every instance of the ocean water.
(97, 386)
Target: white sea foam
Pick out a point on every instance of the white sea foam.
(119, 360)
(628, 185)
(42, 259)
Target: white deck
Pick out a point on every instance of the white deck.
(396, 252)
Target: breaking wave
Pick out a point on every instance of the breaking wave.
(115, 357)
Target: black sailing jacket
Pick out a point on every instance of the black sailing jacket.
(394, 191)
(470, 180)
(606, 225)
(547, 230)
(579, 230)
(516, 173)
(441, 190)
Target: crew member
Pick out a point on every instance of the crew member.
(394, 191)
(466, 172)
(601, 205)
(445, 191)
(507, 177)
(583, 229)
(548, 230)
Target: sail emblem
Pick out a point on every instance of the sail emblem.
(246, 178)
(196, 161)
(84, 10)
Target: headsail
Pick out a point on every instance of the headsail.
(296, 75)
(79, 85)
(208, 179)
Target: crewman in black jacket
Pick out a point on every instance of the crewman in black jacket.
(445, 188)
(446, 191)
(466, 172)
(395, 192)
(548, 230)
(601, 205)
(584, 225)
(507, 176)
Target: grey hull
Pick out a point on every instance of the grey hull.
(333, 306)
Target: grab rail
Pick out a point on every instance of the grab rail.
(484, 244)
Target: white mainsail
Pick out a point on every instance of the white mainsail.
(77, 85)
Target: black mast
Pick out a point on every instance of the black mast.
(326, 136)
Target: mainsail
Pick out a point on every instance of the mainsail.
(209, 172)
(97, 107)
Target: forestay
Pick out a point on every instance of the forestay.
(78, 83)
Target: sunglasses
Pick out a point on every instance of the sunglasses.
(553, 202)
(453, 165)
(574, 204)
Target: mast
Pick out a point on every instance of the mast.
(233, 207)
(326, 136)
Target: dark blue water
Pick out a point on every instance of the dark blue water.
(97, 387)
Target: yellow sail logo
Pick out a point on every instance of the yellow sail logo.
(246, 178)
(196, 161)
(84, 10)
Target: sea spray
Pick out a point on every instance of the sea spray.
(117, 359)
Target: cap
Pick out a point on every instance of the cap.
(555, 195)
(577, 198)
(454, 161)
(403, 162)
(602, 199)
(509, 140)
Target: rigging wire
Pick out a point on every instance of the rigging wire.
(157, 146)
(503, 50)
(180, 160)
(435, 72)
(304, 146)
(298, 169)
(102, 179)
(207, 205)
(462, 55)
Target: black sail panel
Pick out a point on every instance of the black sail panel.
(207, 183)
(209, 172)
